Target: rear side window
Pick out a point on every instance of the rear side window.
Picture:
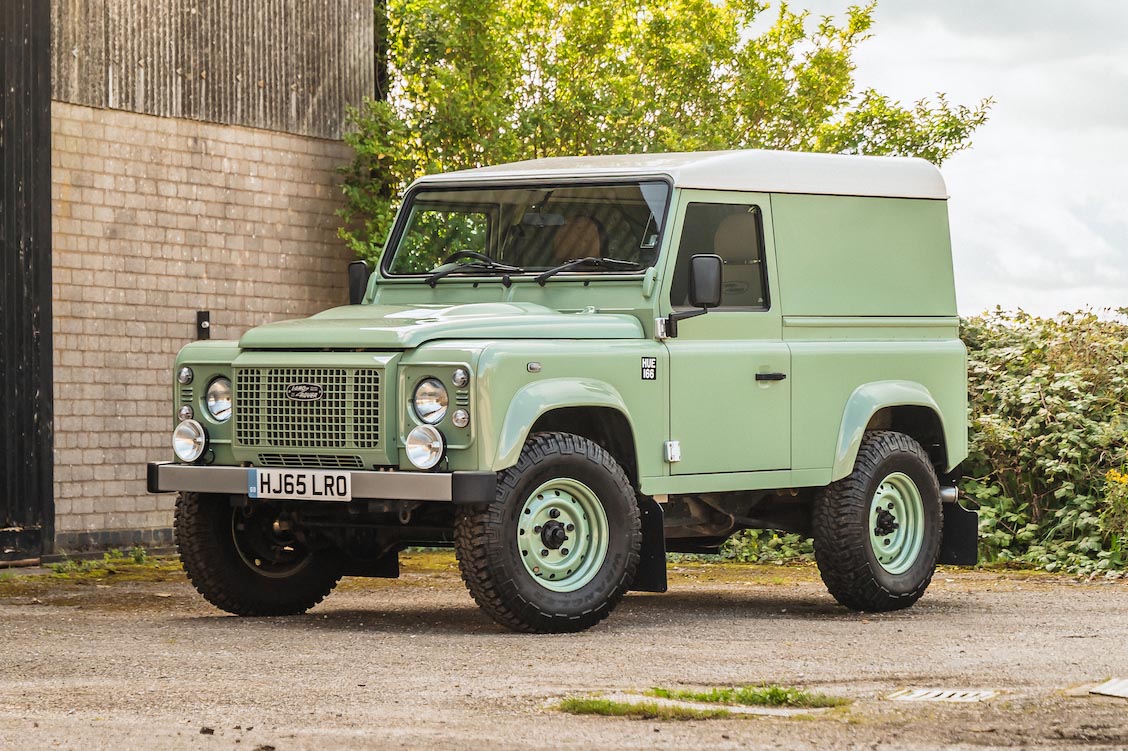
(735, 233)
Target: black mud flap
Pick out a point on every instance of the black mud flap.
(960, 546)
(651, 574)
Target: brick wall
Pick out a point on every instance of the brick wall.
(154, 219)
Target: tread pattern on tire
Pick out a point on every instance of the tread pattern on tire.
(204, 563)
(479, 530)
(839, 527)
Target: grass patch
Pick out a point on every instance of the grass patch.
(133, 565)
(752, 696)
(640, 711)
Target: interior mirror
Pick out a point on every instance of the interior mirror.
(358, 281)
(705, 274)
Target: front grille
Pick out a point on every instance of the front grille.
(347, 416)
(326, 461)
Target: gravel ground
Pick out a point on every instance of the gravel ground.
(411, 663)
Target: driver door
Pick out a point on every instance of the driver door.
(730, 393)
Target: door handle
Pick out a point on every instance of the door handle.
(770, 376)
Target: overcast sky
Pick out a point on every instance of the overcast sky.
(1039, 204)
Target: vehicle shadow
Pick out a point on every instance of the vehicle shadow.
(638, 612)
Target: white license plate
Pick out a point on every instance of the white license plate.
(299, 484)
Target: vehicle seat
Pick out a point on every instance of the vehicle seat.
(580, 237)
(737, 241)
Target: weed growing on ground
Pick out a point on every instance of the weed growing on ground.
(641, 711)
(755, 696)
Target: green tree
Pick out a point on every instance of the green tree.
(473, 82)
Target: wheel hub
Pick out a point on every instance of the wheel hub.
(553, 535)
(886, 523)
(267, 542)
(562, 535)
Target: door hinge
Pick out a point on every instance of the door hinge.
(660, 329)
(673, 451)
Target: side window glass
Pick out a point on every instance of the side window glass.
(735, 233)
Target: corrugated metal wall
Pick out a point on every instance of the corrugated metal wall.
(26, 496)
(286, 65)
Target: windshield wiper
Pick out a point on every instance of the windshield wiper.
(607, 263)
(453, 268)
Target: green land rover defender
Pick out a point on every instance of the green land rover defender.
(567, 367)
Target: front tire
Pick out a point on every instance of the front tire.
(877, 531)
(558, 547)
(246, 561)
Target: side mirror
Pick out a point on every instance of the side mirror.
(706, 271)
(705, 274)
(358, 281)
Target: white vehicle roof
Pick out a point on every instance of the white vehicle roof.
(751, 170)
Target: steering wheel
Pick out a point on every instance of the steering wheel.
(459, 254)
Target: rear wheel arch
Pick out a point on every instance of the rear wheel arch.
(921, 423)
(901, 406)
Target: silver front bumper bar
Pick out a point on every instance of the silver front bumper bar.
(449, 487)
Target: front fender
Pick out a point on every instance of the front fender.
(862, 405)
(541, 397)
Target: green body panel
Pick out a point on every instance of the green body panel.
(838, 385)
(572, 374)
(851, 256)
(407, 326)
(208, 360)
(860, 316)
(722, 417)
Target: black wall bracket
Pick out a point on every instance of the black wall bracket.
(203, 324)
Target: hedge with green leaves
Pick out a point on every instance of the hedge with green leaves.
(1048, 444)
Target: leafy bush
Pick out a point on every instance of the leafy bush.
(767, 546)
(1049, 420)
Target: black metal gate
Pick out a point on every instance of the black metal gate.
(26, 466)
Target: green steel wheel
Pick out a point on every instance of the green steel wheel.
(558, 547)
(896, 523)
(562, 534)
(877, 531)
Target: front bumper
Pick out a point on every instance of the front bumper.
(449, 487)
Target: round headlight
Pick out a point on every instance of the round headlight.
(424, 446)
(186, 413)
(430, 400)
(219, 399)
(460, 418)
(185, 375)
(460, 377)
(189, 441)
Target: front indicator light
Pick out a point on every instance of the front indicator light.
(189, 441)
(186, 413)
(460, 418)
(424, 446)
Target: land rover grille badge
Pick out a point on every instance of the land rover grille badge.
(304, 392)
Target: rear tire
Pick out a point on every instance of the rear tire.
(878, 531)
(241, 563)
(559, 546)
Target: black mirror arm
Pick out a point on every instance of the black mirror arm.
(681, 315)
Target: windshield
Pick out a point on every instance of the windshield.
(531, 229)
